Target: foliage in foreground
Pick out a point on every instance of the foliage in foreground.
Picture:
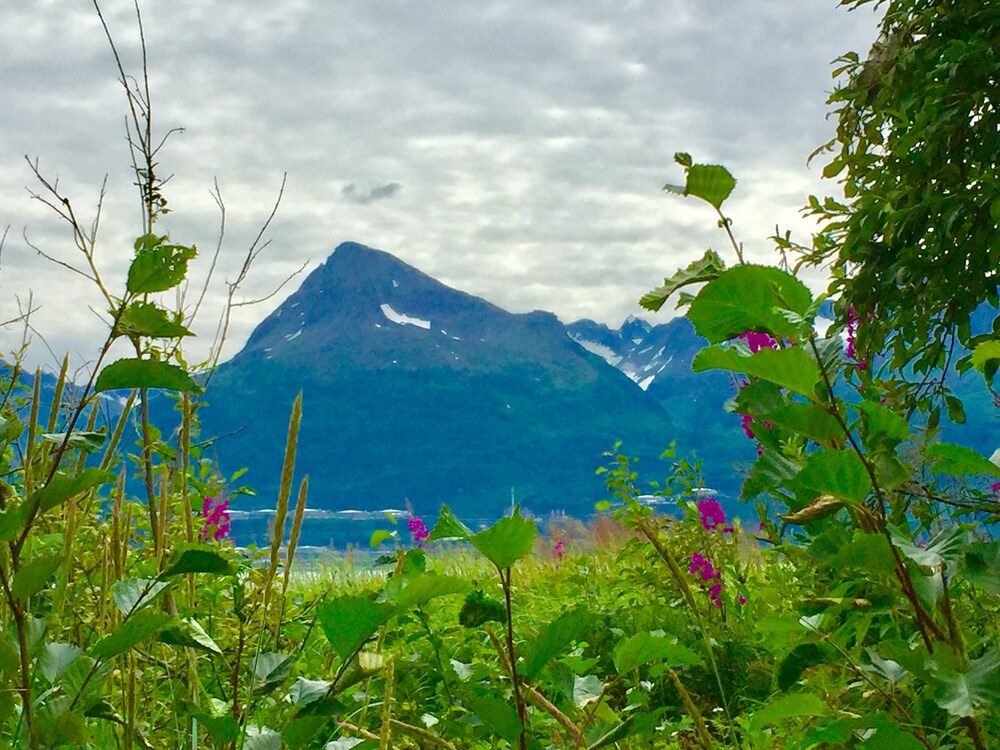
(863, 612)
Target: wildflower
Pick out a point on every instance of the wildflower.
(756, 341)
(216, 515)
(851, 332)
(418, 530)
(711, 513)
(702, 566)
(996, 491)
(742, 600)
(559, 549)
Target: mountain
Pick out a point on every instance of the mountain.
(416, 391)
(658, 359)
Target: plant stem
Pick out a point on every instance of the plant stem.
(512, 657)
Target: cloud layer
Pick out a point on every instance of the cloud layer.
(532, 140)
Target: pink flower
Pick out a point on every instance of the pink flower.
(418, 530)
(852, 334)
(216, 515)
(996, 491)
(559, 549)
(742, 600)
(757, 341)
(702, 566)
(711, 513)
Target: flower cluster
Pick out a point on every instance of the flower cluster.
(702, 567)
(851, 333)
(757, 340)
(418, 530)
(559, 550)
(712, 515)
(216, 515)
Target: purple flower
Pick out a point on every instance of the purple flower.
(711, 513)
(757, 341)
(742, 600)
(418, 530)
(702, 566)
(559, 549)
(216, 515)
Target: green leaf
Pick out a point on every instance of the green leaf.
(133, 373)
(807, 420)
(798, 660)
(709, 267)
(570, 626)
(147, 319)
(140, 626)
(422, 589)
(349, 621)
(944, 547)
(157, 267)
(646, 647)
(840, 473)
(956, 409)
(986, 356)
(33, 576)
(270, 669)
(710, 182)
(498, 716)
(961, 693)
(379, 536)
(197, 560)
(982, 565)
(56, 658)
(745, 298)
(449, 527)
(88, 442)
(131, 594)
(304, 691)
(887, 425)
(63, 487)
(790, 367)
(261, 738)
(957, 460)
(586, 689)
(479, 609)
(786, 707)
(506, 541)
(187, 632)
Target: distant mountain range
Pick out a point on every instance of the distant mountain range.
(416, 391)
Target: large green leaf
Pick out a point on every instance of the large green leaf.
(746, 298)
(807, 420)
(349, 621)
(570, 626)
(187, 632)
(982, 565)
(646, 647)
(790, 706)
(449, 527)
(157, 266)
(197, 560)
(957, 460)
(140, 626)
(270, 669)
(840, 473)
(790, 367)
(498, 716)
(885, 428)
(147, 319)
(963, 692)
(945, 547)
(506, 541)
(710, 182)
(63, 487)
(133, 373)
(986, 359)
(708, 267)
(34, 575)
(131, 594)
(56, 658)
(88, 442)
(422, 589)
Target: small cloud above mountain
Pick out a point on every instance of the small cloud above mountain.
(378, 193)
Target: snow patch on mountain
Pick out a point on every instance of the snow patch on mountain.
(404, 320)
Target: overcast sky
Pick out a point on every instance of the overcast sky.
(512, 149)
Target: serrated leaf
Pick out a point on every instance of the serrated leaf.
(197, 560)
(349, 621)
(957, 460)
(790, 367)
(132, 373)
(745, 298)
(158, 267)
(187, 632)
(449, 527)
(147, 319)
(140, 626)
(506, 541)
(882, 422)
(643, 648)
(708, 267)
(554, 637)
(34, 576)
(710, 182)
(792, 706)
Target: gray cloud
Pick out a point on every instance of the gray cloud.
(532, 138)
(364, 197)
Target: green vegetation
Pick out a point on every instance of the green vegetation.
(863, 612)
